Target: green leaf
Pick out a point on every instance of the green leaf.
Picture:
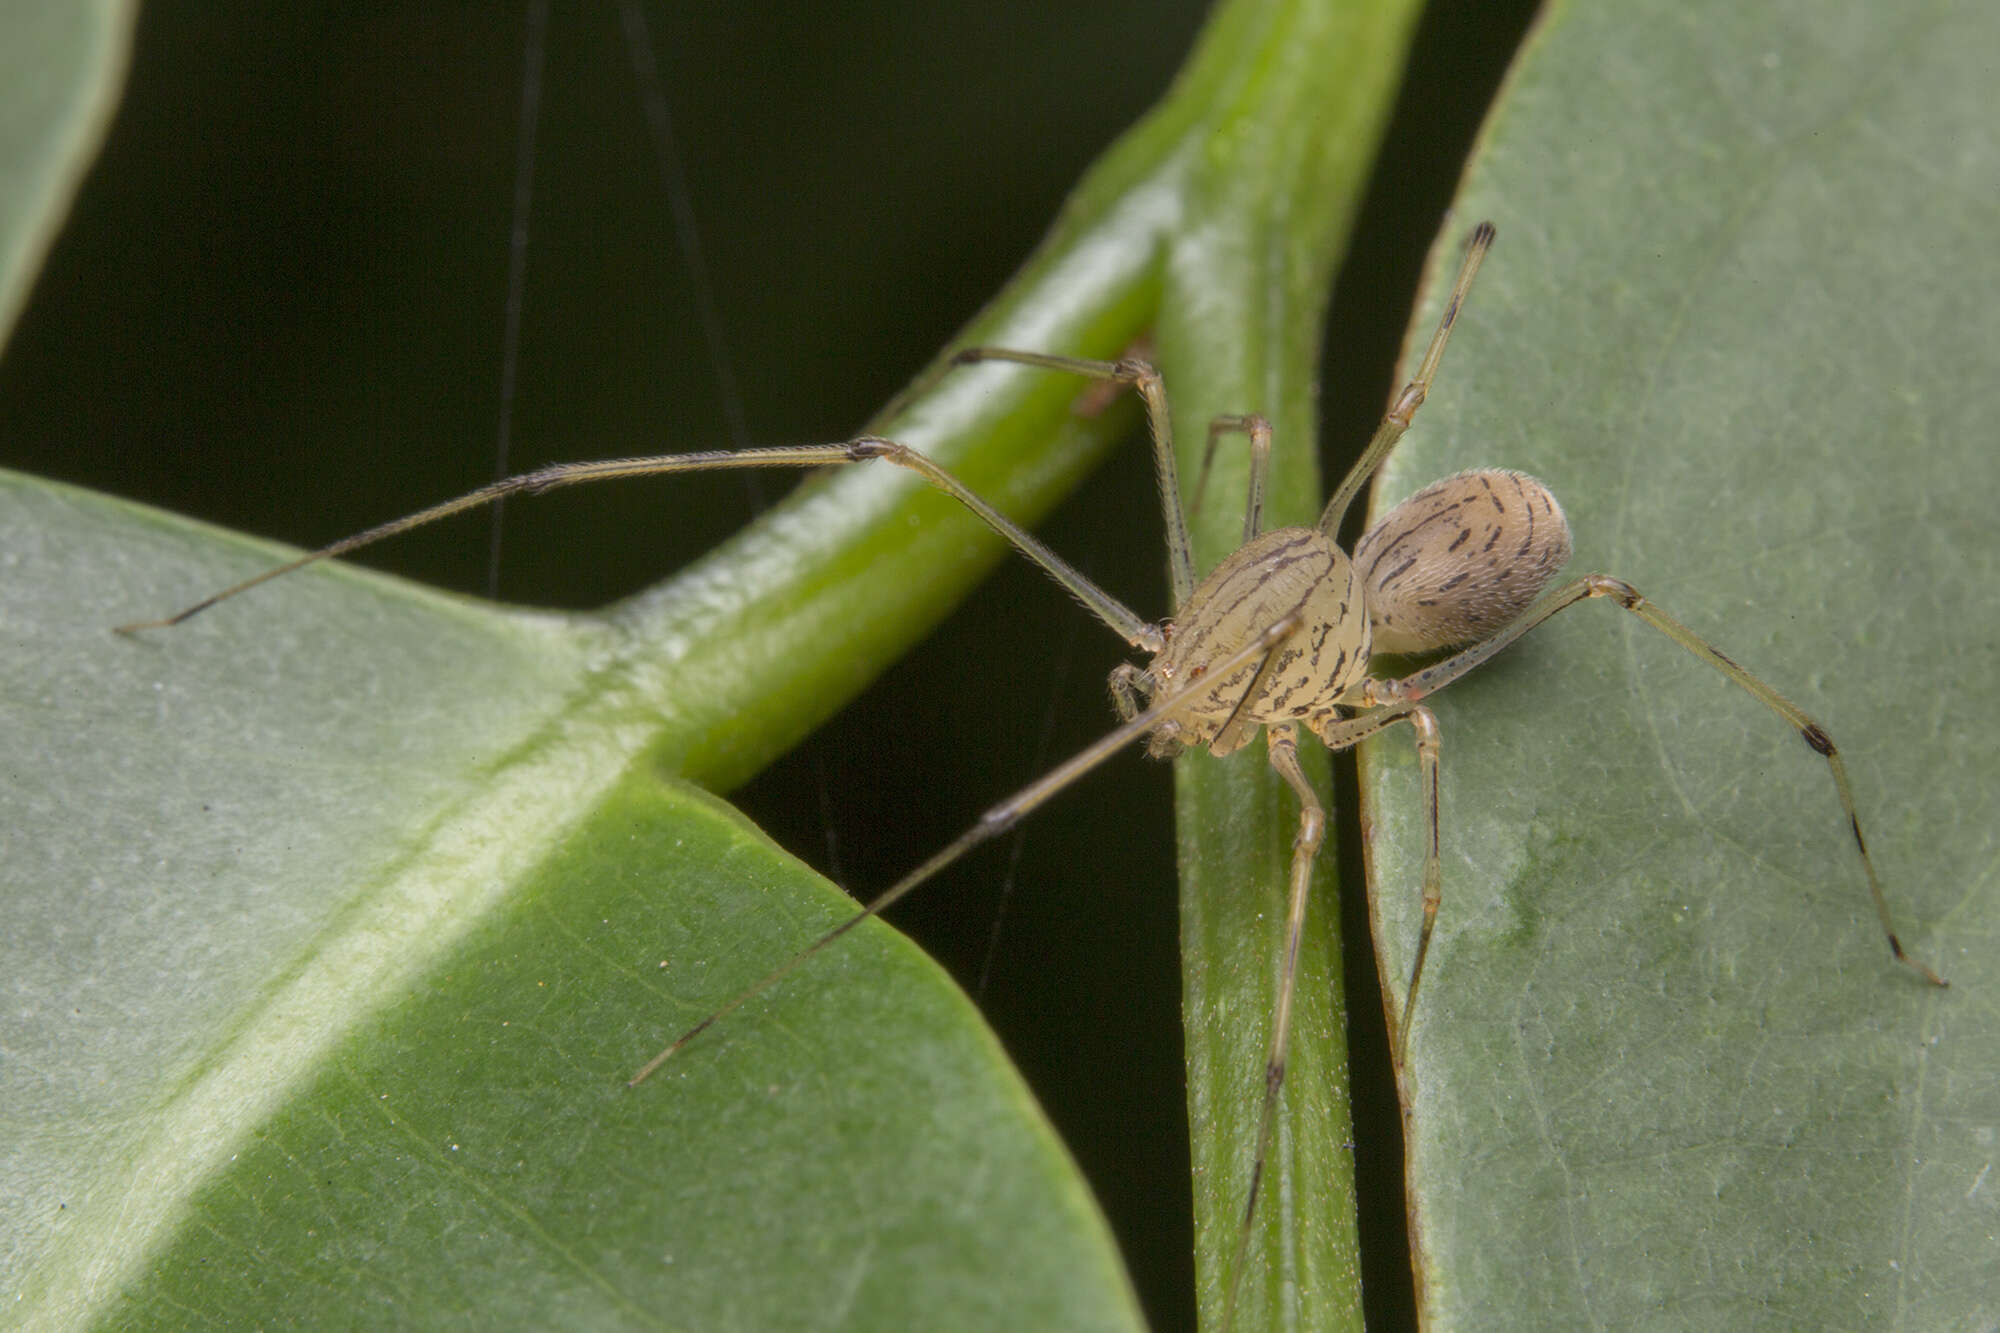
(1740, 318)
(61, 65)
(327, 909)
(244, 1039)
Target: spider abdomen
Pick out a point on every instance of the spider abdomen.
(1460, 559)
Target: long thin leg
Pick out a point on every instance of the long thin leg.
(1146, 381)
(1345, 735)
(1412, 397)
(1428, 681)
(1283, 741)
(1126, 623)
(1259, 431)
(999, 819)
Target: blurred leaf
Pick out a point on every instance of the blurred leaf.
(1740, 318)
(61, 64)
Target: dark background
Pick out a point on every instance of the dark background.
(280, 306)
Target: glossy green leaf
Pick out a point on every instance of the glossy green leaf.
(1740, 317)
(241, 1042)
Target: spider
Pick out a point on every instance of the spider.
(1280, 636)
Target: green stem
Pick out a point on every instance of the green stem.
(1216, 223)
(1245, 300)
